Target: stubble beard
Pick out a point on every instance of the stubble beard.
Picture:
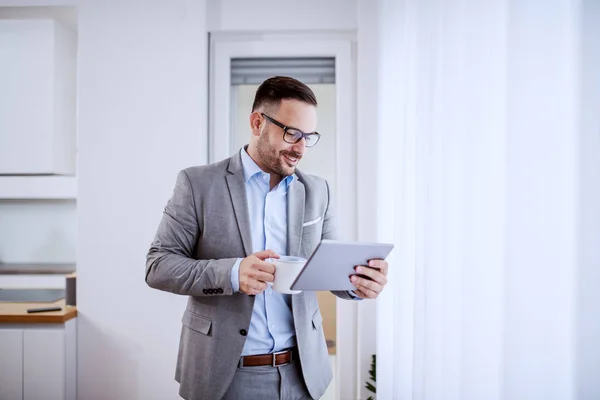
(272, 159)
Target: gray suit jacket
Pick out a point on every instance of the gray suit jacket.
(204, 229)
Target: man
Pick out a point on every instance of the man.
(224, 221)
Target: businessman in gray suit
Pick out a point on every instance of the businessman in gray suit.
(222, 225)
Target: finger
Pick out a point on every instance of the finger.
(257, 287)
(374, 274)
(365, 292)
(263, 276)
(365, 284)
(263, 255)
(360, 294)
(381, 265)
(369, 294)
(264, 267)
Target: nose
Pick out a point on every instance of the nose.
(300, 146)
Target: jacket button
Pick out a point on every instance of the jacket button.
(243, 332)
(211, 291)
(204, 291)
(220, 290)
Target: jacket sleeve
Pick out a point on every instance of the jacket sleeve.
(170, 265)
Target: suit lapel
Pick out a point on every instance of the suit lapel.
(295, 209)
(237, 192)
(295, 219)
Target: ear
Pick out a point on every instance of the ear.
(256, 121)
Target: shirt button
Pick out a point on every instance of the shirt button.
(270, 293)
(272, 326)
(243, 332)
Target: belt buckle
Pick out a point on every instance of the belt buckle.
(274, 364)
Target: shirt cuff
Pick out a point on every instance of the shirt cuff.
(235, 276)
(354, 296)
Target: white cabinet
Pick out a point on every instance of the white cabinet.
(11, 364)
(38, 361)
(43, 364)
(37, 97)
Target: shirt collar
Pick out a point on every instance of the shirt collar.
(251, 169)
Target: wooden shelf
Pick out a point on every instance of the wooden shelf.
(38, 187)
(36, 269)
(16, 313)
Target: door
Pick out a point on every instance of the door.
(238, 65)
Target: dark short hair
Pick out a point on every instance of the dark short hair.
(273, 90)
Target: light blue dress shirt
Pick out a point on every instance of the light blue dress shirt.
(272, 323)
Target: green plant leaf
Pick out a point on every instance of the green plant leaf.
(371, 388)
(373, 376)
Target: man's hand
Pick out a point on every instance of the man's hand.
(375, 278)
(255, 272)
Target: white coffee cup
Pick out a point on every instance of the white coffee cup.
(287, 269)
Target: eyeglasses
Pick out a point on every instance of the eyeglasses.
(293, 135)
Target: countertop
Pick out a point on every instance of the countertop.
(16, 313)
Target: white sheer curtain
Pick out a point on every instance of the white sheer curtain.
(478, 171)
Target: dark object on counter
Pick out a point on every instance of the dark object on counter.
(71, 290)
(31, 295)
(44, 309)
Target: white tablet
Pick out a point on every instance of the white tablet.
(332, 263)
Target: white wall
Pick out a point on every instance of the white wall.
(142, 118)
(281, 15)
(588, 282)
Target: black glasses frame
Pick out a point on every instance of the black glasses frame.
(286, 128)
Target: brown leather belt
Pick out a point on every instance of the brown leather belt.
(273, 359)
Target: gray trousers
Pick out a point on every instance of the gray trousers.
(257, 383)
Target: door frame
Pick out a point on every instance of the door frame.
(225, 46)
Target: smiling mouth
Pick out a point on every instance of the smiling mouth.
(291, 160)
